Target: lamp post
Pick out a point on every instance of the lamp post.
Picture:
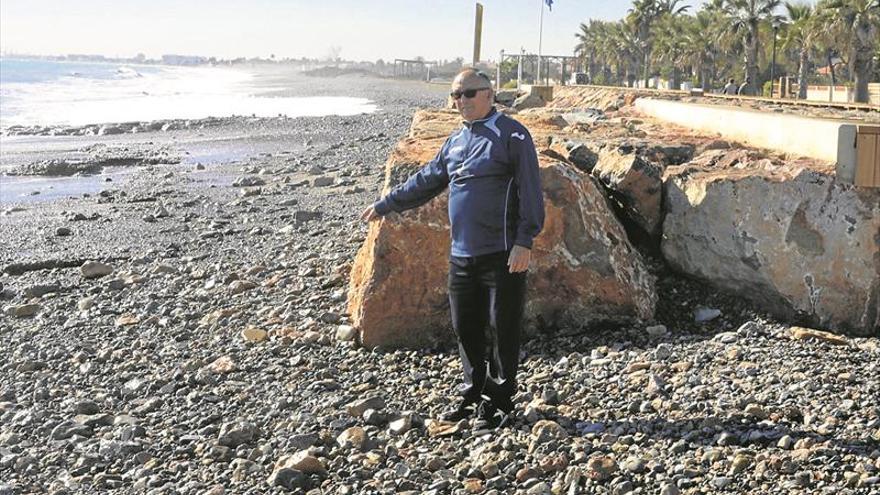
(498, 72)
(522, 52)
(773, 63)
(540, 37)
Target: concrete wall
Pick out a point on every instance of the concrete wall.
(827, 140)
(839, 94)
(842, 94)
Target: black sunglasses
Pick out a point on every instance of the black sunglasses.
(468, 93)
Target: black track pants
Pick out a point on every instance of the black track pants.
(482, 292)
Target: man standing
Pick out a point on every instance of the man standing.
(496, 209)
(730, 88)
(746, 88)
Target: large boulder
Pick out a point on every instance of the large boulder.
(579, 153)
(506, 97)
(583, 116)
(585, 267)
(606, 99)
(397, 293)
(634, 181)
(529, 100)
(790, 237)
(584, 271)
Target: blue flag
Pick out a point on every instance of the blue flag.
(549, 4)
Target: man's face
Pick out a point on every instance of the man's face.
(479, 105)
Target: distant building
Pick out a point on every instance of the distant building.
(183, 60)
(85, 58)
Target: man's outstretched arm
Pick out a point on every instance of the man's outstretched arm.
(420, 188)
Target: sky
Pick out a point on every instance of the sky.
(363, 30)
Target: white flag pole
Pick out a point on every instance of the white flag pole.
(522, 51)
(540, 38)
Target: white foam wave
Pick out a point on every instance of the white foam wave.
(170, 93)
(127, 73)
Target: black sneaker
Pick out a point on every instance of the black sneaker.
(492, 417)
(505, 419)
(464, 410)
(487, 417)
(504, 405)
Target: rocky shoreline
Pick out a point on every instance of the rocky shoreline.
(121, 128)
(186, 332)
(95, 158)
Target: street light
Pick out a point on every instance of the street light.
(773, 63)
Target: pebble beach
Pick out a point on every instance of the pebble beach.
(174, 322)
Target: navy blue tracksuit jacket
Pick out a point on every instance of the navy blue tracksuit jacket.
(495, 201)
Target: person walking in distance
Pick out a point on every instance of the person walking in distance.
(746, 88)
(730, 88)
(496, 209)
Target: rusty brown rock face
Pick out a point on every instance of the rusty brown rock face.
(584, 268)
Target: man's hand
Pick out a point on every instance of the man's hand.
(519, 259)
(369, 214)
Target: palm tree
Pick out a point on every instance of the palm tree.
(726, 45)
(623, 41)
(702, 37)
(858, 21)
(729, 50)
(746, 17)
(670, 40)
(643, 14)
(609, 52)
(876, 76)
(801, 34)
(607, 48)
(589, 42)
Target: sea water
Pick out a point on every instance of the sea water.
(45, 93)
(42, 92)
